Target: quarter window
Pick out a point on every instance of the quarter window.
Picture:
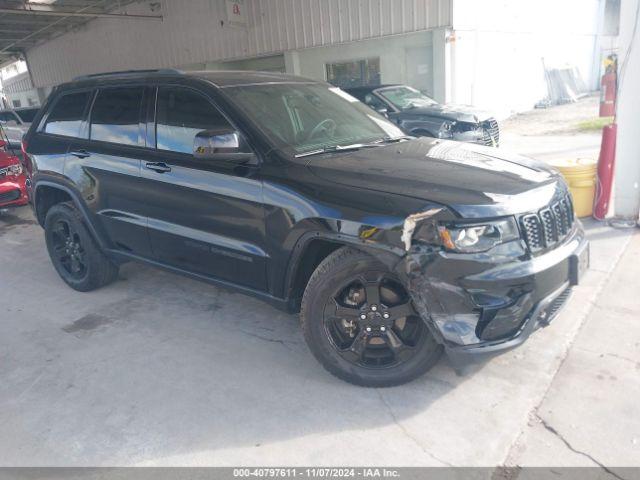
(181, 114)
(115, 116)
(67, 113)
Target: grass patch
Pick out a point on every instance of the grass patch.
(594, 124)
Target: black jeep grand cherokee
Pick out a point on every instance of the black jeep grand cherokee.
(392, 248)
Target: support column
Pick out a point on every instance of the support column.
(627, 169)
(442, 66)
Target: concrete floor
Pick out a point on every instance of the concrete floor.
(157, 369)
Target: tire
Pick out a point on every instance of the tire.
(79, 263)
(349, 275)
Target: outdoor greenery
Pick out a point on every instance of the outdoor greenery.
(594, 124)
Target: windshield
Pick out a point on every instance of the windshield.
(310, 117)
(406, 98)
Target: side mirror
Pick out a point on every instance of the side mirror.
(221, 144)
(382, 111)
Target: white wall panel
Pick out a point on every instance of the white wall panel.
(196, 31)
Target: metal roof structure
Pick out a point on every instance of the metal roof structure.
(25, 23)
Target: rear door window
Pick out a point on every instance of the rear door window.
(115, 116)
(180, 115)
(67, 114)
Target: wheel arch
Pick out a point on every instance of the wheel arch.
(48, 193)
(313, 248)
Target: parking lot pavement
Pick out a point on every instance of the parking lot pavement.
(589, 415)
(553, 133)
(157, 369)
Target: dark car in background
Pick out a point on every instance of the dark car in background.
(393, 249)
(420, 115)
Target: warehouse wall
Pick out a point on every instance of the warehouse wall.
(394, 66)
(196, 31)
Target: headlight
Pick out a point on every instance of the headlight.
(14, 169)
(446, 129)
(478, 237)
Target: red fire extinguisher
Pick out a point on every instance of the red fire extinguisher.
(609, 87)
(606, 163)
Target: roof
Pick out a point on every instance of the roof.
(25, 24)
(220, 78)
(370, 88)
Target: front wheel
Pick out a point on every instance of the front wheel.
(359, 322)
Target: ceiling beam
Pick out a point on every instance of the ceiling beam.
(35, 12)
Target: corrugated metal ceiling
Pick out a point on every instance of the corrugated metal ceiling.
(25, 24)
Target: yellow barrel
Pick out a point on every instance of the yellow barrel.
(580, 174)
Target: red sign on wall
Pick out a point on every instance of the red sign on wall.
(236, 14)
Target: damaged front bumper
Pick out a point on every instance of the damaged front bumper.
(487, 303)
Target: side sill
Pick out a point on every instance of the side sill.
(279, 303)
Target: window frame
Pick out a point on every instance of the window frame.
(363, 61)
(152, 123)
(141, 143)
(82, 130)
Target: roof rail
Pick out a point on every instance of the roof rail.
(163, 71)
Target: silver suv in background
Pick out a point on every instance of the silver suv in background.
(15, 123)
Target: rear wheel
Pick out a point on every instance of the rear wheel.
(73, 252)
(360, 323)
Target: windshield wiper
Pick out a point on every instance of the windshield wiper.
(355, 146)
(395, 139)
(338, 148)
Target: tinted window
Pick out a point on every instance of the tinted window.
(180, 115)
(27, 115)
(309, 117)
(115, 115)
(66, 116)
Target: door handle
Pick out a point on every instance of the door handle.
(80, 153)
(158, 167)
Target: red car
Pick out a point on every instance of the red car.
(13, 191)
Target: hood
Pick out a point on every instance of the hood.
(473, 180)
(459, 113)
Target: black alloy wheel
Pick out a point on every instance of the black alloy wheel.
(371, 321)
(74, 252)
(360, 323)
(68, 250)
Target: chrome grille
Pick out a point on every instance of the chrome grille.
(549, 226)
(490, 132)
